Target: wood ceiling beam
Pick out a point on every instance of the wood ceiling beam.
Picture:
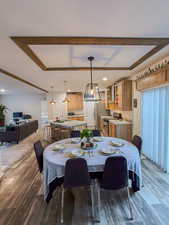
(85, 68)
(25, 42)
(22, 80)
(90, 40)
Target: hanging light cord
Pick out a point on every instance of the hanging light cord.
(91, 74)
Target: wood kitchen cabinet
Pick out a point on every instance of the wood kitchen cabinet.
(81, 118)
(124, 95)
(123, 131)
(75, 101)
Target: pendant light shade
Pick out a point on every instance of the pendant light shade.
(52, 101)
(66, 100)
(92, 93)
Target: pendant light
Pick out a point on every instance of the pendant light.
(52, 102)
(66, 100)
(92, 93)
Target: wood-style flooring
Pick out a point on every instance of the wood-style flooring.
(22, 203)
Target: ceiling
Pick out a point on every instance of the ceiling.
(131, 18)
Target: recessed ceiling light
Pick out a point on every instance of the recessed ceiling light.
(104, 78)
(2, 90)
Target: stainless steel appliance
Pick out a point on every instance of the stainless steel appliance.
(100, 110)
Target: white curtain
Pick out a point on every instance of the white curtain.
(155, 126)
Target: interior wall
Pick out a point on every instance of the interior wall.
(59, 109)
(136, 113)
(26, 103)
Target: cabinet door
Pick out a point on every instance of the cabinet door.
(112, 130)
(75, 102)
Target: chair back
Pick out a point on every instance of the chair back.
(39, 154)
(76, 173)
(96, 133)
(115, 175)
(137, 141)
(75, 133)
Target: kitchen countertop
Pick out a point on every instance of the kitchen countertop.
(70, 123)
(119, 122)
(107, 117)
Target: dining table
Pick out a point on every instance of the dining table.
(54, 160)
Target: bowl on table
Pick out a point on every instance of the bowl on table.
(110, 151)
(117, 143)
(58, 147)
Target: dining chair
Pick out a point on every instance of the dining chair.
(115, 176)
(137, 141)
(39, 155)
(96, 133)
(76, 175)
(75, 133)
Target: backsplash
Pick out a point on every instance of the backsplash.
(126, 115)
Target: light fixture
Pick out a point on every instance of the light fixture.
(66, 100)
(52, 102)
(104, 78)
(92, 93)
(2, 90)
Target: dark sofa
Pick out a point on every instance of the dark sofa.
(19, 132)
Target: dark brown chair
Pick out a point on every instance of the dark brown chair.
(115, 176)
(76, 175)
(96, 133)
(75, 133)
(39, 154)
(137, 141)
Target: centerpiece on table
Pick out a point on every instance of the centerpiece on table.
(86, 139)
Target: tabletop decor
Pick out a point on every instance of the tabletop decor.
(86, 136)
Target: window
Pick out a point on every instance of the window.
(155, 126)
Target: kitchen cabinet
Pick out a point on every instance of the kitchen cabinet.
(75, 101)
(81, 118)
(108, 97)
(120, 130)
(119, 96)
(123, 95)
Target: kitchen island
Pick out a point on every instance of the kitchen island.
(71, 124)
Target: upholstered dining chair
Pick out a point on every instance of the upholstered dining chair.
(137, 141)
(75, 133)
(39, 155)
(96, 133)
(115, 176)
(76, 175)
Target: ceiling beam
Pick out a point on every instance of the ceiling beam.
(21, 80)
(25, 42)
(62, 40)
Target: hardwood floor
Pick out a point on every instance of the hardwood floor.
(21, 200)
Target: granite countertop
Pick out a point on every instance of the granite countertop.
(70, 123)
(107, 117)
(119, 122)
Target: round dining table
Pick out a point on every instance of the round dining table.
(54, 161)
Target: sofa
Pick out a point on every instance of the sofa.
(19, 132)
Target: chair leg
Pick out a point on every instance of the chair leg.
(62, 204)
(92, 198)
(99, 200)
(129, 203)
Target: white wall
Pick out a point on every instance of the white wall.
(26, 103)
(59, 109)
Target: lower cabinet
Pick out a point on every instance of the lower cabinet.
(81, 118)
(123, 131)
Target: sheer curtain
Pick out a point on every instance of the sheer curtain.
(155, 126)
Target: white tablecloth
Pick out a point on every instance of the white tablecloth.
(54, 162)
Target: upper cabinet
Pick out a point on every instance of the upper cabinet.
(119, 96)
(124, 95)
(75, 101)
